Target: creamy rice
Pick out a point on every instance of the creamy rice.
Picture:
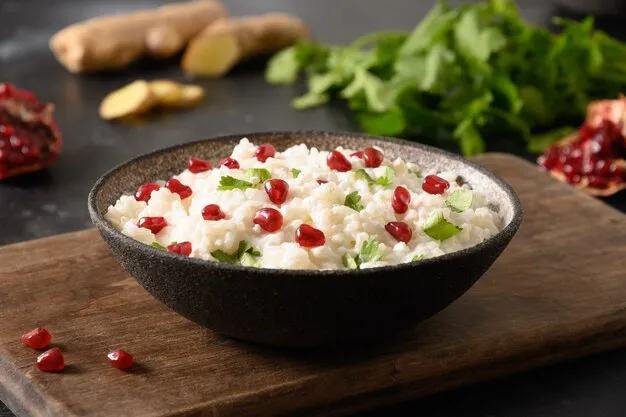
(318, 205)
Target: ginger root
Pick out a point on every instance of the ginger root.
(191, 95)
(227, 42)
(113, 42)
(133, 99)
(166, 92)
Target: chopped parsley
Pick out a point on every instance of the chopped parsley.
(353, 201)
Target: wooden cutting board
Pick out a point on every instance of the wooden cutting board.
(558, 292)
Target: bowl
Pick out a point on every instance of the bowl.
(301, 308)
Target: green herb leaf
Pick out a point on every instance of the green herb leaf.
(283, 68)
(384, 180)
(249, 260)
(245, 255)
(295, 172)
(417, 258)
(222, 256)
(460, 200)
(352, 201)
(261, 173)
(158, 246)
(361, 174)
(230, 183)
(438, 228)
(370, 251)
(349, 262)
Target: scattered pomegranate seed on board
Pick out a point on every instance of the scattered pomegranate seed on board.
(38, 338)
(120, 359)
(51, 360)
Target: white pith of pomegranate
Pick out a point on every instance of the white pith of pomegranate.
(29, 137)
(594, 158)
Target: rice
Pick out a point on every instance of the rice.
(318, 205)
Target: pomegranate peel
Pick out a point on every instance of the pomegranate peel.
(29, 137)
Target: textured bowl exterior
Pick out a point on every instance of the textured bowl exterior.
(295, 308)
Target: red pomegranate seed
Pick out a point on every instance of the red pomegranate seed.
(400, 231)
(38, 338)
(603, 168)
(144, 192)
(598, 182)
(179, 188)
(435, 185)
(51, 360)
(276, 190)
(338, 162)
(309, 237)
(264, 151)
(320, 182)
(182, 248)
(573, 179)
(197, 165)
(372, 157)
(212, 212)
(229, 163)
(358, 154)
(268, 219)
(549, 159)
(154, 224)
(120, 359)
(401, 199)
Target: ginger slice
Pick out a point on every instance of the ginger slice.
(166, 92)
(191, 96)
(211, 56)
(132, 99)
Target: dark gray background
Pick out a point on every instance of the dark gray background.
(54, 201)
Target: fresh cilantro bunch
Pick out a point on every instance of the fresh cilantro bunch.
(463, 73)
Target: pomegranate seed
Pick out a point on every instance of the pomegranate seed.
(6, 90)
(276, 190)
(51, 360)
(320, 182)
(197, 165)
(401, 199)
(575, 157)
(212, 212)
(372, 157)
(179, 188)
(435, 185)
(120, 359)
(268, 219)
(358, 154)
(400, 231)
(154, 224)
(571, 169)
(338, 162)
(4, 155)
(573, 179)
(229, 163)
(182, 248)
(38, 338)
(144, 192)
(586, 132)
(598, 182)
(6, 131)
(16, 143)
(309, 237)
(264, 151)
(603, 168)
(30, 152)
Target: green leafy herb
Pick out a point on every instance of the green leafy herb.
(295, 172)
(230, 183)
(369, 252)
(349, 262)
(464, 73)
(384, 180)
(261, 173)
(245, 255)
(361, 174)
(437, 227)
(158, 246)
(352, 201)
(460, 200)
(417, 258)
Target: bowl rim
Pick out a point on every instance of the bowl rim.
(509, 230)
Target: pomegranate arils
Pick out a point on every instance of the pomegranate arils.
(358, 154)
(154, 224)
(264, 151)
(268, 219)
(320, 182)
(276, 190)
(182, 248)
(309, 237)
(229, 163)
(51, 360)
(435, 185)
(372, 157)
(197, 165)
(338, 162)
(212, 212)
(144, 191)
(38, 338)
(179, 188)
(29, 137)
(400, 200)
(400, 231)
(120, 359)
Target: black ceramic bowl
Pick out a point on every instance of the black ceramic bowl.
(300, 308)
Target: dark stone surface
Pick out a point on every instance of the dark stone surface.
(53, 201)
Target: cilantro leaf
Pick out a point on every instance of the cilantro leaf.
(245, 255)
(158, 246)
(349, 262)
(352, 201)
(362, 174)
(295, 172)
(261, 173)
(438, 228)
(460, 200)
(370, 251)
(417, 258)
(222, 256)
(384, 180)
(249, 260)
(230, 183)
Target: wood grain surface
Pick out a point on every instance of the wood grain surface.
(558, 292)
